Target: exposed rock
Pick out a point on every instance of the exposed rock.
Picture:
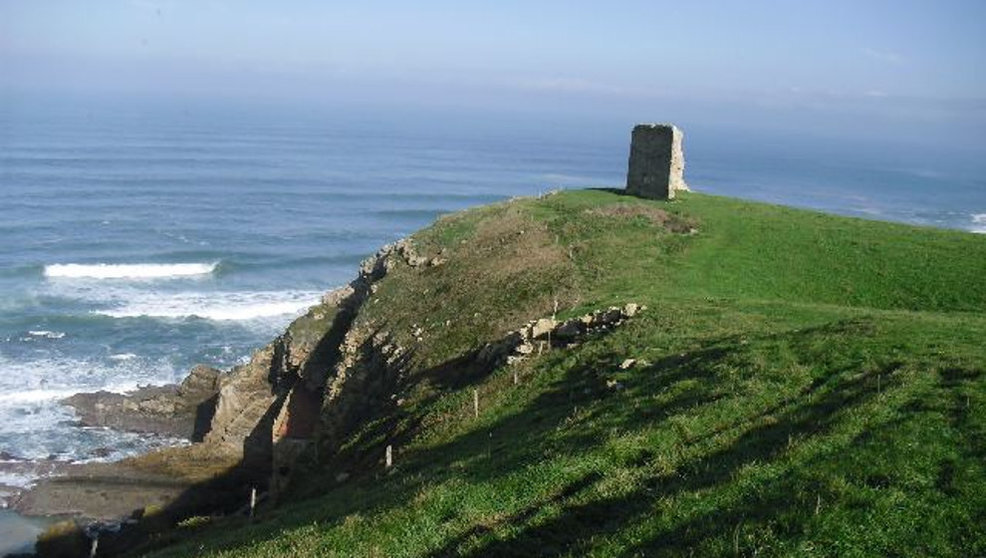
(608, 317)
(568, 330)
(541, 328)
(316, 381)
(406, 250)
(108, 491)
(337, 296)
(245, 395)
(202, 382)
(516, 345)
(240, 414)
(182, 411)
(627, 363)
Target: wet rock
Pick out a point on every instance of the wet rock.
(101, 452)
(177, 411)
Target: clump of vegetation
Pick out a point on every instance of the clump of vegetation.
(801, 384)
(63, 539)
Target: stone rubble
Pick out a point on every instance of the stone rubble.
(517, 345)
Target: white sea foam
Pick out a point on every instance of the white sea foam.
(35, 395)
(123, 356)
(223, 306)
(42, 395)
(35, 425)
(129, 271)
(18, 479)
(53, 378)
(979, 223)
(47, 334)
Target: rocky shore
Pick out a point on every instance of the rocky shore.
(239, 423)
(181, 411)
(248, 426)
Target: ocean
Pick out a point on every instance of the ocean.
(140, 238)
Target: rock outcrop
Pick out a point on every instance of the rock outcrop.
(182, 411)
(304, 393)
(536, 335)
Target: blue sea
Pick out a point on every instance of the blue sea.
(140, 238)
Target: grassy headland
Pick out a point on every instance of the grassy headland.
(799, 384)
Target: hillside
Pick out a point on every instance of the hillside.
(796, 383)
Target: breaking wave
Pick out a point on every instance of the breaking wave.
(219, 306)
(979, 223)
(35, 425)
(129, 271)
(46, 334)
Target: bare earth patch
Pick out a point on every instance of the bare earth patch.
(668, 221)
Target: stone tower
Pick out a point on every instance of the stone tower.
(657, 162)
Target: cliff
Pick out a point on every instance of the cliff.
(592, 373)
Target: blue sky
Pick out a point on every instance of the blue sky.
(885, 64)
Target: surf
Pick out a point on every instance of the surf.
(129, 271)
(217, 306)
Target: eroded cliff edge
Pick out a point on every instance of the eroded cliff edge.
(228, 416)
(299, 398)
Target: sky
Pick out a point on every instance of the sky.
(886, 67)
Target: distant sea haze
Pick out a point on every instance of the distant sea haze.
(141, 240)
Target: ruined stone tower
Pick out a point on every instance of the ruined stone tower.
(657, 162)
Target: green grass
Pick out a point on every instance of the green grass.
(805, 385)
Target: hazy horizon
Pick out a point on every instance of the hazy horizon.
(893, 71)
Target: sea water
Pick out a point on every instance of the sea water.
(138, 239)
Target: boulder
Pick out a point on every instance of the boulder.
(542, 327)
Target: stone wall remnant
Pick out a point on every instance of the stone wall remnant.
(657, 161)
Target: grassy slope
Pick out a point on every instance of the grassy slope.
(805, 384)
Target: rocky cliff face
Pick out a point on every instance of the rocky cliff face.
(182, 411)
(250, 423)
(343, 365)
(271, 409)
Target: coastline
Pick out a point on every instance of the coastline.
(18, 532)
(360, 346)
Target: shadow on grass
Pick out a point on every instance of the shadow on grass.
(544, 427)
(575, 526)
